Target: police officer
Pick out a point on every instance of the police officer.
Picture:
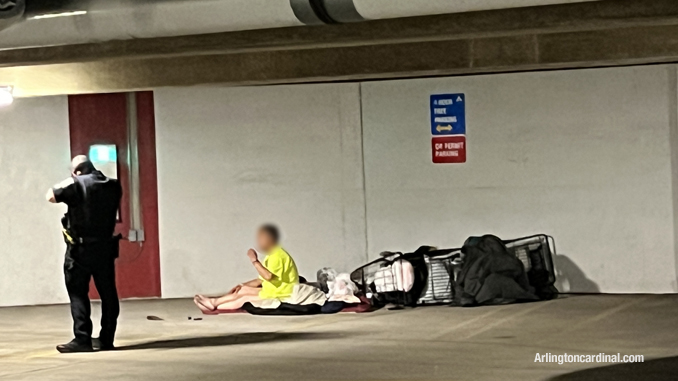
(93, 201)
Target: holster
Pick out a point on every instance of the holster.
(67, 237)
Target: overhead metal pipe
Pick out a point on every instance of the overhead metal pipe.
(315, 12)
(11, 11)
(384, 9)
(65, 22)
(48, 23)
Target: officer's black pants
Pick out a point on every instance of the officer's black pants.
(84, 262)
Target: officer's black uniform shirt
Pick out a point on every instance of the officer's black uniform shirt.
(93, 201)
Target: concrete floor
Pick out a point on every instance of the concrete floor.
(434, 343)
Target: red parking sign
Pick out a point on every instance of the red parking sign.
(449, 150)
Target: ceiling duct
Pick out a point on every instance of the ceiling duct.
(37, 7)
(386, 9)
(11, 11)
(318, 12)
(66, 22)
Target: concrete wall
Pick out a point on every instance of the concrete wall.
(230, 159)
(34, 155)
(583, 155)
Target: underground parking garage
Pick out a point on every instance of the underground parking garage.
(451, 190)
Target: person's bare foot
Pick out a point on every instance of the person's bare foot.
(207, 302)
(202, 307)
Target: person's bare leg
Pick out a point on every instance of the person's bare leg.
(201, 306)
(206, 302)
(235, 301)
(250, 291)
(238, 303)
(244, 291)
(216, 302)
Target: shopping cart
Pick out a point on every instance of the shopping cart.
(537, 253)
(435, 272)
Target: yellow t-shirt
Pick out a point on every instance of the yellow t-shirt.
(282, 266)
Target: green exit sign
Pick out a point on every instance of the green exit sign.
(103, 153)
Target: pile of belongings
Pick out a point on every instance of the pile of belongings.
(491, 275)
(394, 279)
(485, 271)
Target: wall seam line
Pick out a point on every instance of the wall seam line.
(673, 146)
(362, 152)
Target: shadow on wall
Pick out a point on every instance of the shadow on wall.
(659, 370)
(232, 339)
(571, 278)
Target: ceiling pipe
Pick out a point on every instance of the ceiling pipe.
(65, 22)
(11, 11)
(386, 9)
(315, 12)
(49, 23)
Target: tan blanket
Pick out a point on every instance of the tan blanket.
(302, 295)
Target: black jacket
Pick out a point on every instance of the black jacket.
(491, 275)
(93, 201)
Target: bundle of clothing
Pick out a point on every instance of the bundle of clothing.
(491, 275)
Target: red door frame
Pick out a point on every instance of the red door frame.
(102, 119)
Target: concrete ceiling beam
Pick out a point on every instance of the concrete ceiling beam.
(651, 37)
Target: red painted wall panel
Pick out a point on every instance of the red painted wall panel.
(148, 178)
(102, 119)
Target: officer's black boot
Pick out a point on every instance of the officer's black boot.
(74, 347)
(100, 345)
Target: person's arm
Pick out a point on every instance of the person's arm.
(253, 283)
(65, 192)
(263, 271)
(50, 196)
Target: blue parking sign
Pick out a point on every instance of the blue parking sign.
(448, 114)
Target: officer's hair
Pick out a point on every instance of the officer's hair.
(272, 231)
(82, 164)
(85, 168)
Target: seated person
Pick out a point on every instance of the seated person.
(277, 276)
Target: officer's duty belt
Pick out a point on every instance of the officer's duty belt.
(85, 240)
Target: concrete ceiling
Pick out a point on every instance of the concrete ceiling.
(577, 35)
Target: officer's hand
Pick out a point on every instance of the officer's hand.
(252, 255)
(50, 196)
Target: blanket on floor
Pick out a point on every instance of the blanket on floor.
(286, 309)
(302, 295)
